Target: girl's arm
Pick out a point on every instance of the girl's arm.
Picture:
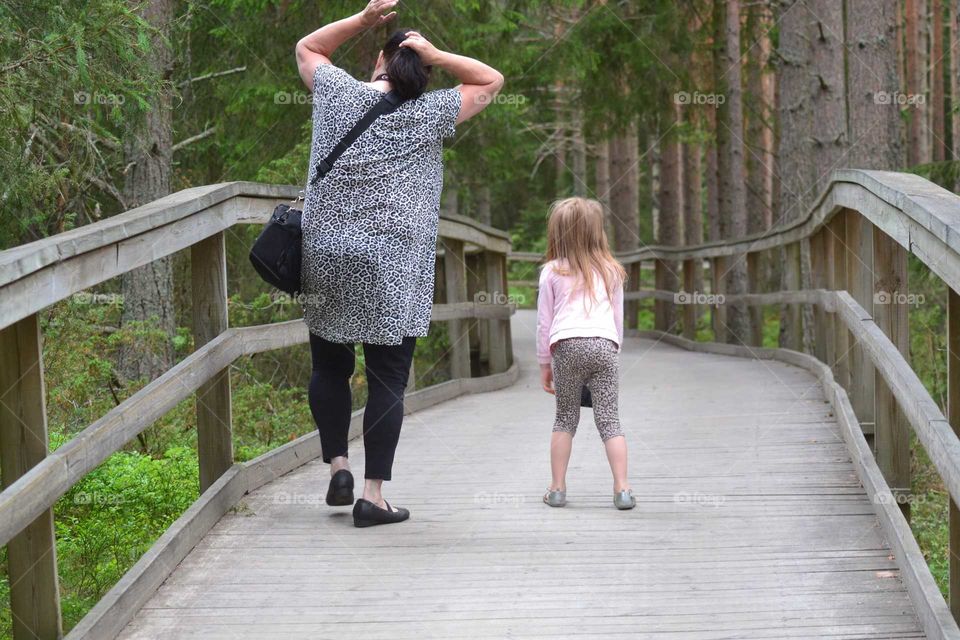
(618, 312)
(545, 312)
(316, 48)
(480, 82)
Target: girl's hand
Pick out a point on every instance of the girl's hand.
(374, 15)
(429, 54)
(546, 378)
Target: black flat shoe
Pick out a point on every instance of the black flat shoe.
(367, 514)
(340, 491)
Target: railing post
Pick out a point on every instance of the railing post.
(496, 329)
(953, 411)
(690, 310)
(755, 285)
(32, 554)
(454, 269)
(818, 272)
(631, 308)
(860, 285)
(793, 332)
(892, 431)
(476, 282)
(718, 313)
(837, 276)
(208, 267)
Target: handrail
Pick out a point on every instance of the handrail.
(39, 274)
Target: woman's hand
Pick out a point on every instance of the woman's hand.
(376, 13)
(546, 378)
(429, 54)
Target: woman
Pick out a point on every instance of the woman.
(370, 232)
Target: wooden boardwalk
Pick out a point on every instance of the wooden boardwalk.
(751, 523)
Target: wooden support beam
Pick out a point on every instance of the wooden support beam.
(837, 277)
(32, 553)
(953, 411)
(690, 309)
(476, 283)
(631, 308)
(718, 312)
(892, 430)
(455, 276)
(793, 331)
(860, 285)
(823, 347)
(208, 267)
(755, 285)
(496, 329)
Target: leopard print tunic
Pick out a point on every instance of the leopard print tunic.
(370, 225)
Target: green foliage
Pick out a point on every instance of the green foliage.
(73, 78)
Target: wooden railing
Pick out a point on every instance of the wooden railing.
(471, 286)
(858, 235)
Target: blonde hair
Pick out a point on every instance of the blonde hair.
(575, 234)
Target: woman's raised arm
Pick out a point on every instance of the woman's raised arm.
(481, 82)
(316, 48)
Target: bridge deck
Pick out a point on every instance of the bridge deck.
(751, 523)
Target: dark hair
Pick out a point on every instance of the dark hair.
(406, 71)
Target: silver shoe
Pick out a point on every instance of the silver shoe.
(555, 498)
(624, 500)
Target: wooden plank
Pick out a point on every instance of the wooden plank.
(454, 269)
(31, 553)
(208, 274)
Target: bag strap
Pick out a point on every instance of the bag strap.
(387, 103)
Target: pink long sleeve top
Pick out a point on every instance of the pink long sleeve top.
(561, 312)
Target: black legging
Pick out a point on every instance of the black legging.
(387, 367)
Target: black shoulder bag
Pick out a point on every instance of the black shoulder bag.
(277, 252)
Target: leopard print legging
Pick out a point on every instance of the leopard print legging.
(594, 362)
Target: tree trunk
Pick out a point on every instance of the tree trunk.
(579, 152)
(713, 187)
(148, 290)
(483, 204)
(938, 134)
(759, 157)
(692, 207)
(913, 68)
(624, 191)
(669, 227)
(954, 138)
(733, 196)
(874, 120)
(602, 179)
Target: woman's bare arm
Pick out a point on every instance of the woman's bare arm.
(316, 48)
(481, 82)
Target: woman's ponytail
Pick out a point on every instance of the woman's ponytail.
(406, 71)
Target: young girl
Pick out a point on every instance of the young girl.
(580, 330)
